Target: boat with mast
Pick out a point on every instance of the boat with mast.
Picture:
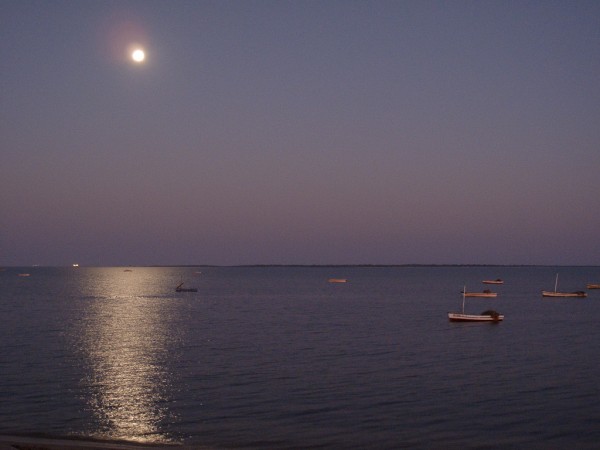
(180, 288)
(556, 293)
(486, 316)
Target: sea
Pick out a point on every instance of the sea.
(281, 358)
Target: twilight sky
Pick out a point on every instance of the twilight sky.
(300, 132)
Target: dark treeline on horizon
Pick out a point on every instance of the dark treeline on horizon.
(310, 265)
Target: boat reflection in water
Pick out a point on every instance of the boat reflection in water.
(126, 341)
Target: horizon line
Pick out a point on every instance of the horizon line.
(313, 265)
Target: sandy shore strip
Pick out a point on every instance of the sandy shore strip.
(8, 442)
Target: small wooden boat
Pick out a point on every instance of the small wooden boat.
(180, 288)
(593, 286)
(555, 293)
(24, 274)
(337, 280)
(486, 293)
(564, 294)
(496, 281)
(486, 316)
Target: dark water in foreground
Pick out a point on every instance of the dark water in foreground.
(280, 358)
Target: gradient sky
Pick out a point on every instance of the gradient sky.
(300, 132)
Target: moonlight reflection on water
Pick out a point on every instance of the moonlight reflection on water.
(126, 341)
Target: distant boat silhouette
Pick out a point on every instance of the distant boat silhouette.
(180, 288)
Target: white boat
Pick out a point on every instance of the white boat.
(486, 316)
(564, 294)
(556, 293)
(496, 281)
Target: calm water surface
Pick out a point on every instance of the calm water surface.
(277, 357)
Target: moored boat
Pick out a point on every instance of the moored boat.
(496, 281)
(180, 288)
(564, 294)
(486, 316)
(486, 293)
(337, 280)
(593, 286)
(556, 293)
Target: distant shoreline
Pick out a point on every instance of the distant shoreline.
(372, 265)
(313, 265)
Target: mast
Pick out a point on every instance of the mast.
(464, 292)
(556, 284)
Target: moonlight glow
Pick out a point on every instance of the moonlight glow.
(138, 55)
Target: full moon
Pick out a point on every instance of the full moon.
(138, 55)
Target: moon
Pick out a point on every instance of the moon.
(138, 55)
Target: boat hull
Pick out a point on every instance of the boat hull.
(563, 294)
(457, 317)
(593, 286)
(493, 282)
(482, 294)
